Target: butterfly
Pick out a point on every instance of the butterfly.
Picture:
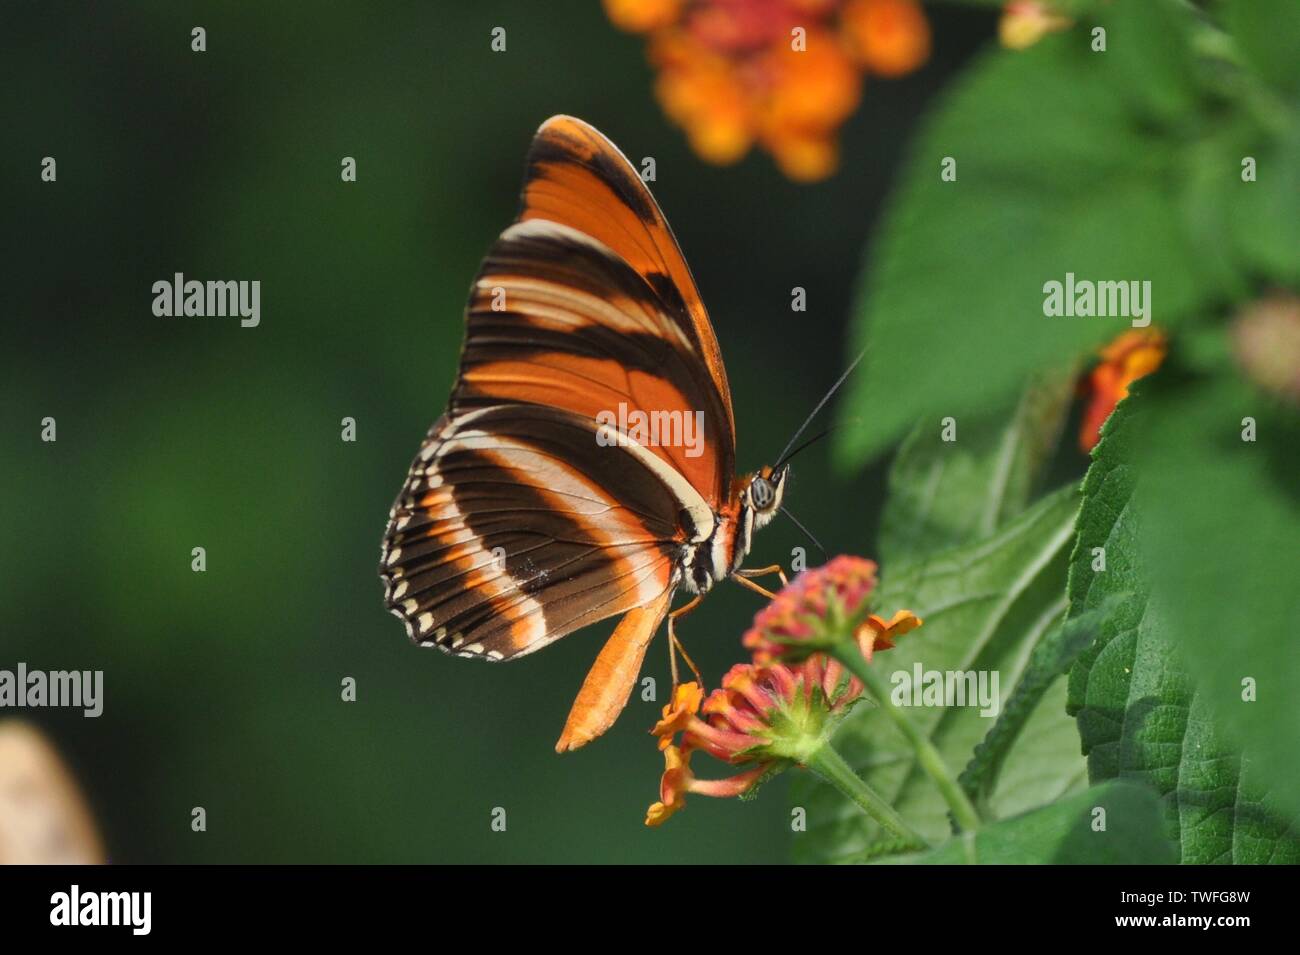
(532, 508)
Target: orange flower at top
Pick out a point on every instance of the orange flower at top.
(638, 16)
(702, 93)
(890, 37)
(1132, 355)
(810, 92)
(782, 74)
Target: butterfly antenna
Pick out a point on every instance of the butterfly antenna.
(784, 456)
(799, 524)
(813, 440)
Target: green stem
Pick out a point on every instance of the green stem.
(962, 810)
(830, 766)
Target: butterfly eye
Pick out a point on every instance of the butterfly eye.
(761, 493)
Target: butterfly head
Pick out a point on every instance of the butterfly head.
(764, 491)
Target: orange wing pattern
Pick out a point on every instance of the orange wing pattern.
(579, 178)
(516, 528)
(609, 684)
(586, 303)
(521, 520)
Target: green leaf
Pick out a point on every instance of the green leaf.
(1150, 43)
(985, 606)
(1049, 662)
(1212, 192)
(944, 493)
(1141, 715)
(1064, 833)
(1044, 763)
(1268, 34)
(1264, 215)
(1258, 70)
(1223, 522)
(1059, 169)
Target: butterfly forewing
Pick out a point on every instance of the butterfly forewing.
(579, 178)
(557, 319)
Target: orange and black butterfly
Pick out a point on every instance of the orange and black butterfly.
(528, 512)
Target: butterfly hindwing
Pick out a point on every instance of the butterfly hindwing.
(517, 526)
(613, 676)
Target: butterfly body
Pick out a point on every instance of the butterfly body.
(528, 513)
(716, 558)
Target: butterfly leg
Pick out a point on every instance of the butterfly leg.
(764, 571)
(742, 577)
(675, 645)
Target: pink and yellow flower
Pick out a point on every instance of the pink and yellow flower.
(1025, 22)
(779, 710)
(821, 608)
(763, 718)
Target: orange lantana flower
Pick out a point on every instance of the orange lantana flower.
(1133, 354)
(678, 780)
(638, 16)
(780, 74)
(702, 93)
(810, 93)
(681, 709)
(889, 37)
(876, 634)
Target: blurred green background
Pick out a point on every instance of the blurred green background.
(223, 688)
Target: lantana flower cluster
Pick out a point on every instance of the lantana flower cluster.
(780, 74)
(778, 709)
